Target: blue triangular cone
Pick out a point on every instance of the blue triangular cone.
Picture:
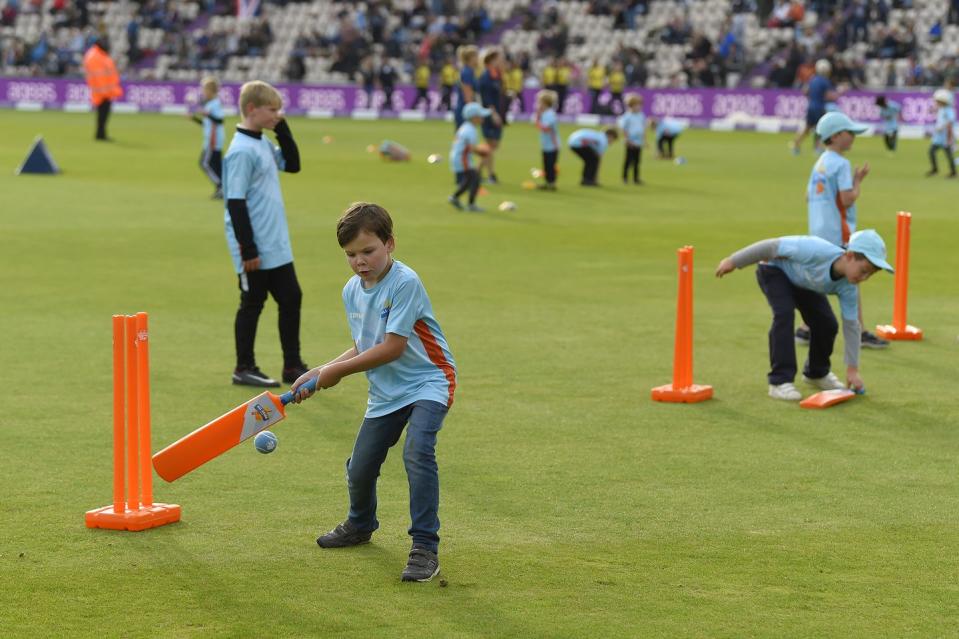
(39, 160)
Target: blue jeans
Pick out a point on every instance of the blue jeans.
(377, 435)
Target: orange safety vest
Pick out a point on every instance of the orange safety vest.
(102, 76)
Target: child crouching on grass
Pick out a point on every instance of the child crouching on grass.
(465, 144)
(590, 145)
(798, 272)
(398, 343)
(548, 125)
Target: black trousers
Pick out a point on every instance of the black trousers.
(945, 151)
(594, 100)
(446, 101)
(784, 298)
(561, 91)
(590, 163)
(281, 283)
(549, 165)
(211, 163)
(616, 98)
(468, 180)
(890, 139)
(664, 143)
(421, 94)
(633, 156)
(103, 114)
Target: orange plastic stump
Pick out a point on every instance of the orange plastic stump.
(689, 394)
(899, 329)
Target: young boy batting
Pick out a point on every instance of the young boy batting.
(256, 231)
(465, 144)
(398, 343)
(210, 116)
(633, 125)
(831, 194)
(548, 126)
(797, 272)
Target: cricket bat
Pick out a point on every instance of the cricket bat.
(825, 399)
(223, 433)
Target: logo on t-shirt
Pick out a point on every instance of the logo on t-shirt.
(385, 313)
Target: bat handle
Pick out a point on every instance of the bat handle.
(287, 397)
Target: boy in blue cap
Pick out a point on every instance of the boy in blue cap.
(831, 195)
(797, 272)
(465, 144)
(590, 145)
(400, 346)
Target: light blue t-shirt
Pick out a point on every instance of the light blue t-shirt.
(828, 218)
(399, 304)
(251, 172)
(596, 140)
(889, 115)
(548, 125)
(634, 125)
(945, 120)
(668, 126)
(807, 262)
(213, 135)
(461, 153)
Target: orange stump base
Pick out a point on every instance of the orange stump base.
(135, 520)
(686, 395)
(890, 332)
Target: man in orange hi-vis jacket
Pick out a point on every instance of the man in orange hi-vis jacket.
(104, 82)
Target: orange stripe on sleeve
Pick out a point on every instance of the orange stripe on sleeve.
(435, 353)
(842, 219)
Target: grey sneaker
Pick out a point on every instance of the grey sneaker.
(871, 340)
(344, 535)
(253, 377)
(422, 565)
(827, 382)
(456, 203)
(786, 391)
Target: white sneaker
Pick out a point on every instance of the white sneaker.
(785, 391)
(829, 382)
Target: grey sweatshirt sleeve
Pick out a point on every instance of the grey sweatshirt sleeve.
(761, 250)
(851, 336)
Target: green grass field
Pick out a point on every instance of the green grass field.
(572, 505)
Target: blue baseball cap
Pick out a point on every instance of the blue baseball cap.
(871, 245)
(473, 109)
(836, 122)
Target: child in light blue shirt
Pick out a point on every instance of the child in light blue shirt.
(633, 125)
(399, 344)
(590, 145)
(889, 111)
(667, 130)
(943, 135)
(211, 116)
(465, 144)
(797, 272)
(547, 124)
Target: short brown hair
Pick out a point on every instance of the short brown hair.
(364, 216)
(259, 93)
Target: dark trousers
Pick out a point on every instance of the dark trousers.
(617, 99)
(590, 163)
(633, 156)
(890, 139)
(945, 151)
(377, 435)
(211, 163)
(549, 165)
(561, 91)
(784, 298)
(467, 180)
(594, 100)
(281, 283)
(421, 94)
(103, 114)
(665, 145)
(446, 101)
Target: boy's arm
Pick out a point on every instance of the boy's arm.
(291, 154)
(759, 251)
(350, 362)
(849, 196)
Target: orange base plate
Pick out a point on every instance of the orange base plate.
(141, 519)
(887, 331)
(825, 399)
(687, 395)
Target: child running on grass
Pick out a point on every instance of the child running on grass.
(548, 125)
(465, 144)
(398, 343)
(797, 272)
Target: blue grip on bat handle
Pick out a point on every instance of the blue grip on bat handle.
(287, 397)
